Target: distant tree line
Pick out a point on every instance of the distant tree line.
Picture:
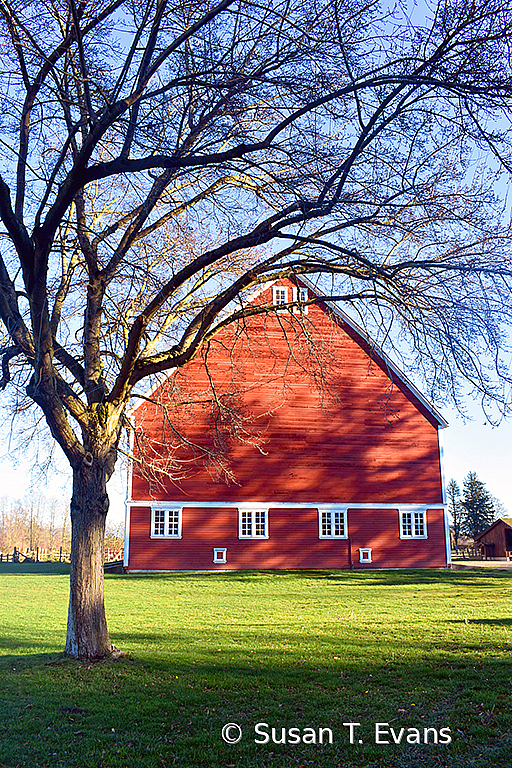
(474, 510)
(36, 522)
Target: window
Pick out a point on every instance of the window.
(413, 525)
(332, 524)
(365, 555)
(300, 294)
(165, 523)
(219, 554)
(253, 524)
(279, 296)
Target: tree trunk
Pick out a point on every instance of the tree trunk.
(87, 635)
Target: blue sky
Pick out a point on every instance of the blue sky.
(478, 447)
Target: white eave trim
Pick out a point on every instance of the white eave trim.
(252, 505)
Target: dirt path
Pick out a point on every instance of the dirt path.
(482, 564)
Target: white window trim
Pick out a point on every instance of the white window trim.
(252, 510)
(332, 511)
(275, 289)
(301, 295)
(412, 512)
(365, 554)
(220, 555)
(166, 508)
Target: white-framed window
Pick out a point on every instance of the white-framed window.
(413, 524)
(332, 524)
(300, 294)
(253, 523)
(165, 523)
(279, 296)
(365, 555)
(220, 554)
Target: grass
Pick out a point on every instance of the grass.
(303, 649)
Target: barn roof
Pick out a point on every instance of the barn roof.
(507, 521)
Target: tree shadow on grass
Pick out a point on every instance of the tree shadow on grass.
(366, 577)
(18, 649)
(23, 661)
(165, 702)
(46, 569)
(483, 622)
(390, 578)
(135, 713)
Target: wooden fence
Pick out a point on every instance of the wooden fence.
(41, 555)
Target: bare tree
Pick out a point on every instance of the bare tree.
(499, 508)
(455, 510)
(31, 522)
(162, 158)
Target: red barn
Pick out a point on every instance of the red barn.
(334, 456)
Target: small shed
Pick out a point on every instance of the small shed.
(496, 541)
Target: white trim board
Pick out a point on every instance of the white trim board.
(287, 504)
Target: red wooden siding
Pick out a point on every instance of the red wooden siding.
(293, 541)
(324, 422)
(379, 530)
(356, 436)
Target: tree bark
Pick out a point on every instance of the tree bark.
(87, 635)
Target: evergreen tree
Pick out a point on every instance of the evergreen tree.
(455, 510)
(477, 506)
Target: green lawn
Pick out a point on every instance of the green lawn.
(306, 650)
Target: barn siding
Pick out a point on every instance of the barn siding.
(293, 541)
(379, 529)
(357, 436)
(333, 424)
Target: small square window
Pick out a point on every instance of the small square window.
(220, 554)
(365, 555)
